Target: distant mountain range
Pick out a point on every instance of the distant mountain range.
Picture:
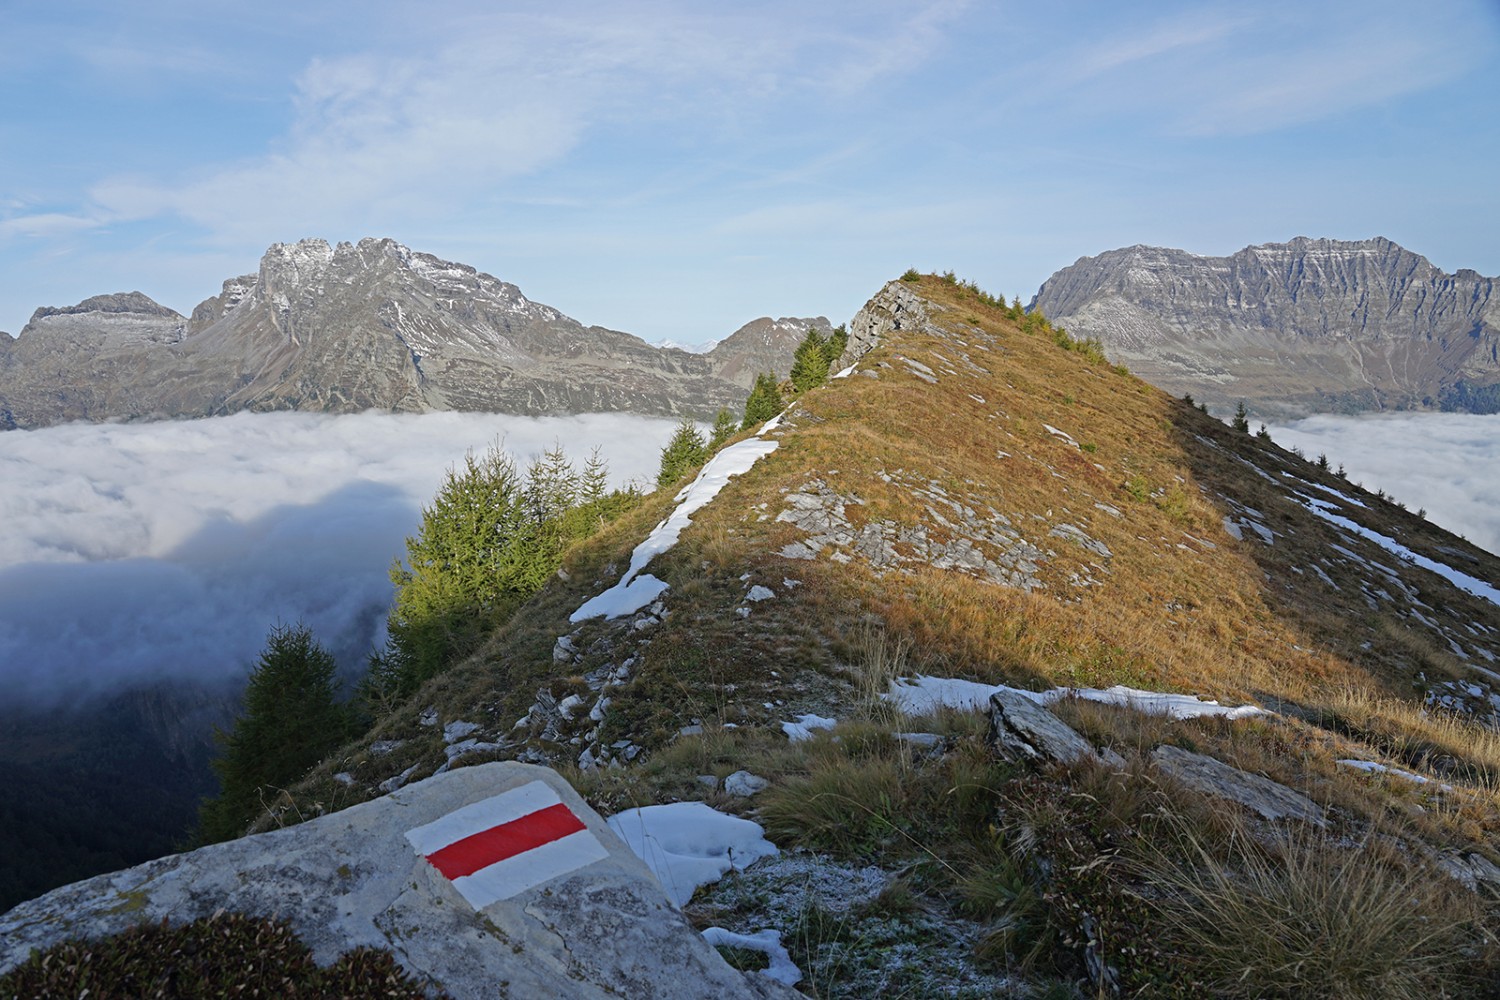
(1291, 328)
(358, 326)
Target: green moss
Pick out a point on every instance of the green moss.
(224, 955)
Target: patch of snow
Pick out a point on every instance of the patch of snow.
(1061, 434)
(768, 943)
(923, 695)
(845, 373)
(1330, 491)
(803, 728)
(635, 591)
(1374, 768)
(1462, 581)
(1325, 577)
(688, 844)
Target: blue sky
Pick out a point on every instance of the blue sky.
(676, 169)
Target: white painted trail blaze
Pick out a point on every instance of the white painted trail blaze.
(501, 846)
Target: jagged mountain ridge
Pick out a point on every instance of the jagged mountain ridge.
(1312, 325)
(358, 326)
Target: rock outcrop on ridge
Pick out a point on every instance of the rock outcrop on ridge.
(602, 926)
(358, 326)
(1312, 325)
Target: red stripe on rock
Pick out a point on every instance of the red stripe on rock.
(488, 847)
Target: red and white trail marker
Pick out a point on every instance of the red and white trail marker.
(501, 846)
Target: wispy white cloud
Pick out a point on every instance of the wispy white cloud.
(134, 552)
(1262, 68)
(405, 135)
(48, 224)
(1176, 34)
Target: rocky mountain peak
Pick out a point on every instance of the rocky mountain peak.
(1291, 328)
(354, 326)
(763, 345)
(120, 303)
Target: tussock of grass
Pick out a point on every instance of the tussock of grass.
(1308, 919)
(848, 807)
(1445, 744)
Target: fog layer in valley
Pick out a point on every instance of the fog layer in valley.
(1448, 463)
(138, 552)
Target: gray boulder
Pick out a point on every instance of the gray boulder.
(1022, 729)
(1271, 799)
(579, 916)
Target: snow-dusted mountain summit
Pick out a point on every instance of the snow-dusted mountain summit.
(350, 327)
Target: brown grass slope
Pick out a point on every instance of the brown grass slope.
(995, 502)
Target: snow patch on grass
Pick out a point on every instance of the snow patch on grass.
(924, 695)
(803, 728)
(635, 591)
(768, 943)
(688, 844)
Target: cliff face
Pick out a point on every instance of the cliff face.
(352, 327)
(1291, 328)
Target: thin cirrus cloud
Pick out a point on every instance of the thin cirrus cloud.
(1447, 463)
(402, 136)
(1265, 68)
(134, 553)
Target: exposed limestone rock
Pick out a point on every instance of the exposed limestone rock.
(982, 545)
(744, 783)
(894, 307)
(602, 928)
(1472, 869)
(1077, 535)
(1022, 729)
(1205, 774)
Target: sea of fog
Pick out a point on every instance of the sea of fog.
(1447, 463)
(135, 552)
(138, 552)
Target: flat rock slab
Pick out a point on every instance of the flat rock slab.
(488, 881)
(1271, 799)
(1022, 728)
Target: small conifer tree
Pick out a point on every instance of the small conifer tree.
(835, 345)
(1241, 419)
(810, 363)
(764, 402)
(725, 427)
(594, 484)
(292, 719)
(687, 450)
